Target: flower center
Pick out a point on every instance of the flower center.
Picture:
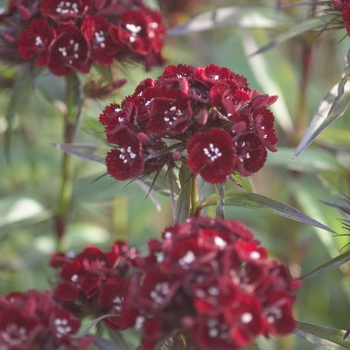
(127, 154)
(212, 152)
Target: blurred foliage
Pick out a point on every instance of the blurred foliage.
(301, 71)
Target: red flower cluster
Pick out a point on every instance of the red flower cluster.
(33, 321)
(65, 35)
(212, 280)
(344, 6)
(206, 116)
(93, 282)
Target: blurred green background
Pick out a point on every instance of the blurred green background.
(300, 71)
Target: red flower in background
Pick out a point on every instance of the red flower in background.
(205, 116)
(69, 51)
(36, 40)
(64, 11)
(32, 320)
(93, 282)
(105, 30)
(211, 278)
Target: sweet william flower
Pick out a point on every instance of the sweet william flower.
(69, 51)
(93, 282)
(211, 279)
(33, 320)
(206, 117)
(36, 40)
(212, 155)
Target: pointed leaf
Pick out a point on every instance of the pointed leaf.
(98, 154)
(332, 107)
(88, 152)
(332, 264)
(85, 329)
(257, 201)
(328, 337)
(310, 24)
(243, 17)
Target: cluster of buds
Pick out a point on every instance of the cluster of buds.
(34, 321)
(207, 117)
(93, 282)
(72, 35)
(211, 280)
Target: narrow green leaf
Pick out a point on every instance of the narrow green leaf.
(88, 152)
(243, 17)
(85, 329)
(332, 107)
(310, 24)
(332, 264)
(257, 201)
(328, 337)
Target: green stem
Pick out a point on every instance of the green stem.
(220, 206)
(194, 195)
(71, 124)
(184, 203)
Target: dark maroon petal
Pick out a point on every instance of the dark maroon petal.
(17, 330)
(36, 40)
(127, 161)
(96, 32)
(212, 155)
(64, 11)
(251, 154)
(212, 74)
(278, 311)
(69, 51)
(67, 292)
(211, 332)
(132, 32)
(62, 325)
(246, 319)
(264, 121)
(150, 330)
(112, 293)
(90, 285)
(170, 113)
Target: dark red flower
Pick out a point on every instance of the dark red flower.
(140, 30)
(212, 279)
(33, 320)
(205, 116)
(65, 11)
(251, 153)
(169, 114)
(69, 51)
(127, 161)
(36, 40)
(212, 155)
(96, 33)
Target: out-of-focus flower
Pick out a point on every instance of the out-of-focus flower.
(65, 35)
(205, 116)
(212, 280)
(93, 282)
(33, 321)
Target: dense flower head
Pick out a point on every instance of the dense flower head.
(211, 279)
(34, 321)
(205, 116)
(93, 282)
(66, 35)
